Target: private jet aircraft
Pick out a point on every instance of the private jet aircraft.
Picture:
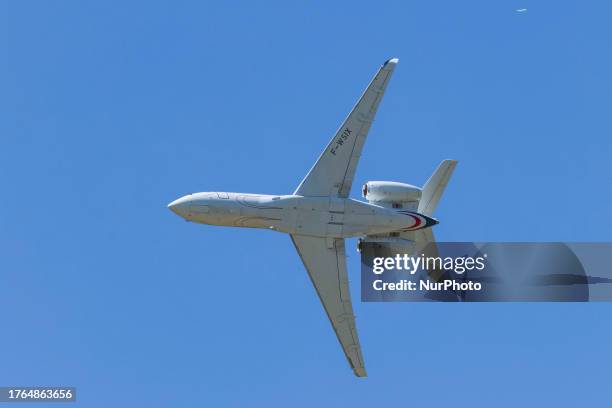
(319, 214)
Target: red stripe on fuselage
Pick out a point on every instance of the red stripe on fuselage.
(418, 221)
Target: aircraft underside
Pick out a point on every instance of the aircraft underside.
(319, 214)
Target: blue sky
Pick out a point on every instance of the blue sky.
(110, 110)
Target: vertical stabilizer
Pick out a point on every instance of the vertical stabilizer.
(433, 189)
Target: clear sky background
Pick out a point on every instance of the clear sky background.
(110, 110)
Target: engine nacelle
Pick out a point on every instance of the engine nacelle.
(391, 191)
(392, 243)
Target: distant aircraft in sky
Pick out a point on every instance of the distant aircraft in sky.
(521, 10)
(319, 214)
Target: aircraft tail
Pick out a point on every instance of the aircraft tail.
(421, 241)
(430, 197)
(434, 187)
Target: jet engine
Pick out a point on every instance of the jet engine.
(393, 244)
(390, 192)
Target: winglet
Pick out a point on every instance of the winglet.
(360, 372)
(391, 61)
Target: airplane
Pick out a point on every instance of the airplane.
(319, 215)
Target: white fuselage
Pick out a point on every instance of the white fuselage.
(292, 214)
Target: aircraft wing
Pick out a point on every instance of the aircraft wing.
(333, 173)
(327, 270)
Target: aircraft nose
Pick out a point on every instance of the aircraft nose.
(180, 206)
